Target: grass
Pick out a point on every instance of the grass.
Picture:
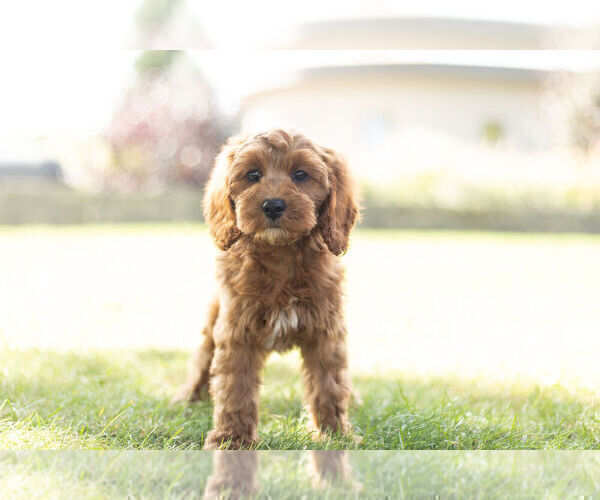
(120, 400)
(114, 474)
(458, 341)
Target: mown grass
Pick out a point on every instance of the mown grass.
(120, 400)
(469, 474)
(458, 341)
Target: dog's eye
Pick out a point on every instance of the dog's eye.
(254, 175)
(300, 175)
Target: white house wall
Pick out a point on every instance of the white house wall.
(355, 115)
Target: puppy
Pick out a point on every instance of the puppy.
(280, 208)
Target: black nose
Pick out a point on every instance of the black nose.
(273, 208)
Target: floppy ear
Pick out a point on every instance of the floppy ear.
(219, 213)
(340, 209)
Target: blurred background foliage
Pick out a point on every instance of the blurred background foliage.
(575, 101)
(152, 14)
(166, 130)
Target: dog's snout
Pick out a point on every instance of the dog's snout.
(273, 208)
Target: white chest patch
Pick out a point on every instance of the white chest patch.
(281, 324)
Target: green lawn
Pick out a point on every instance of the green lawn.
(374, 474)
(457, 341)
(120, 400)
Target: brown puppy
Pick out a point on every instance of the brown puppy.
(281, 209)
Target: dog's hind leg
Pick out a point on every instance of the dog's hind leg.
(197, 384)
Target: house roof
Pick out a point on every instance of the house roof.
(519, 75)
(525, 75)
(420, 33)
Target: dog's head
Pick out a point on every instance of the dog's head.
(278, 187)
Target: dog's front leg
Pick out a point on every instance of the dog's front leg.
(326, 381)
(235, 383)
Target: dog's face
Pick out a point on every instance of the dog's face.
(278, 187)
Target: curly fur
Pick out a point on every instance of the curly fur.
(280, 282)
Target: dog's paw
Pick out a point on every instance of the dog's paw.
(341, 429)
(227, 441)
(349, 436)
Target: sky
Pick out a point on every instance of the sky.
(71, 65)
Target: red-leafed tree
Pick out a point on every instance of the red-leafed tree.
(167, 129)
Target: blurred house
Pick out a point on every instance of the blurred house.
(361, 106)
(420, 33)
